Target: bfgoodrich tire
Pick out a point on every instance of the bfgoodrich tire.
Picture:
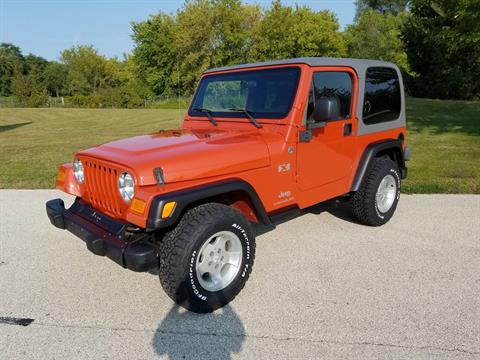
(207, 258)
(376, 200)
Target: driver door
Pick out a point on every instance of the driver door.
(327, 158)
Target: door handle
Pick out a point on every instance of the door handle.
(347, 129)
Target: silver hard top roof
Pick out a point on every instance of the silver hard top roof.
(360, 66)
(357, 64)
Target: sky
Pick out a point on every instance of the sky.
(46, 27)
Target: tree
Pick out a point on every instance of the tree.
(11, 62)
(377, 36)
(233, 23)
(285, 32)
(442, 40)
(29, 87)
(35, 67)
(32, 61)
(273, 38)
(132, 90)
(394, 7)
(155, 53)
(172, 51)
(89, 71)
(56, 78)
(317, 34)
(212, 33)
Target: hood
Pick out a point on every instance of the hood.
(185, 154)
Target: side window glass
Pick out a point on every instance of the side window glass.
(310, 103)
(382, 95)
(335, 86)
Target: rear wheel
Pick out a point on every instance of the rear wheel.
(207, 258)
(376, 200)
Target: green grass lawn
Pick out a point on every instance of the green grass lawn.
(34, 142)
(444, 137)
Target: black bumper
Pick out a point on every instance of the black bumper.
(104, 236)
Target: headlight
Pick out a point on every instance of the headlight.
(78, 171)
(126, 186)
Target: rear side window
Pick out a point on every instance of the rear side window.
(331, 84)
(382, 96)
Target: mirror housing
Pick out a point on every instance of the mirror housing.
(326, 109)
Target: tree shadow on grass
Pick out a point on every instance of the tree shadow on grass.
(443, 116)
(13, 126)
(186, 335)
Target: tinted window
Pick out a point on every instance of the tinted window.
(264, 93)
(382, 95)
(333, 85)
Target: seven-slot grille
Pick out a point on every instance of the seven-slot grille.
(101, 186)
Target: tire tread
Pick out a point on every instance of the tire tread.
(174, 248)
(362, 206)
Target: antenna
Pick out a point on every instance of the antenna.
(178, 88)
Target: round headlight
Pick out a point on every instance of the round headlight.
(78, 171)
(126, 186)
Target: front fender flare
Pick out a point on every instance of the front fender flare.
(185, 197)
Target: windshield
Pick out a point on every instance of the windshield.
(265, 93)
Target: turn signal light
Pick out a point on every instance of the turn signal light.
(168, 209)
(138, 206)
(61, 175)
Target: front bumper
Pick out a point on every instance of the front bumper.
(103, 235)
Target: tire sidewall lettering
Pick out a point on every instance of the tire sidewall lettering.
(247, 247)
(396, 176)
(192, 281)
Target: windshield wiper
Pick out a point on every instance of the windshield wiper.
(208, 113)
(249, 115)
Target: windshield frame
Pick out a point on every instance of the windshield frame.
(235, 115)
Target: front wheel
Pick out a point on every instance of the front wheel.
(376, 200)
(207, 258)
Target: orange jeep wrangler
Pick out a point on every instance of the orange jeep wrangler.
(260, 143)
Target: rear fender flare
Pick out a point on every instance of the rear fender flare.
(371, 152)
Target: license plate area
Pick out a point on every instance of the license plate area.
(84, 210)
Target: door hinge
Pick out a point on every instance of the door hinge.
(305, 135)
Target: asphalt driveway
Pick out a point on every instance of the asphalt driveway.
(322, 287)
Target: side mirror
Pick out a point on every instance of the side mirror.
(326, 108)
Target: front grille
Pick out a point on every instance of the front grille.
(101, 186)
